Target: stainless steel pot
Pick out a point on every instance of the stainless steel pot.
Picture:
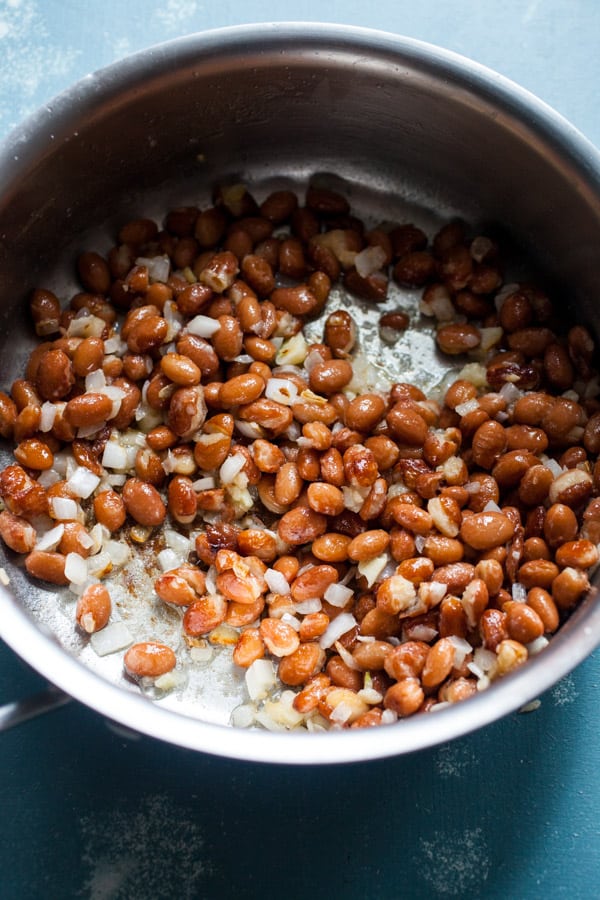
(405, 126)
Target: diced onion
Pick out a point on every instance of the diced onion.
(48, 416)
(306, 607)
(242, 716)
(263, 718)
(51, 539)
(554, 467)
(282, 390)
(168, 559)
(48, 477)
(95, 381)
(371, 569)
(114, 345)
(76, 569)
(490, 506)
(114, 456)
(462, 649)
(369, 260)
(204, 484)
(293, 351)
(277, 582)
(63, 508)
(118, 551)
(82, 482)
(251, 430)
(202, 655)
(260, 678)
(436, 591)
(336, 628)
(519, 592)
(370, 696)
(510, 392)
(99, 565)
(116, 480)
(341, 713)
(86, 326)
(291, 620)
(419, 542)
(485, 659)
(115, 636)
(537, 645)
(313, 359)
(158, 266)
(176, 541)
(469, 406)
(203, 326)
(338, 595)
(423, 633)
(232, 466)
(346, 656)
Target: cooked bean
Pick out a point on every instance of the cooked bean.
(143, 503)
(47, 565)
(149, 659)
(485, 530)
(88, 409)
(17, 533)
(93, 608)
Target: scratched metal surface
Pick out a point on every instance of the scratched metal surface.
(89, 811)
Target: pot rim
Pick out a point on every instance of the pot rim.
(55, 123)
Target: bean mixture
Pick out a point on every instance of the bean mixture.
(365, 553)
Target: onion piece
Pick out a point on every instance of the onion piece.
(63, 508)
(462, 649)
(336, 628)
(260, 678)
(469, 406)
(277, 582)
(519, 592)
(50, 539)
(338, 595)
(114, 456)
(114, 637)
(346, 656)
(369, 260)
(48, 416)
(371, 569)
(306, 607)
(232, 466)
(158, 266)
(118, 551)
(95, 381)
(205, 484)
(537, 645)
(291, 620)
(203, 326)
(76, 570)
(83, 483)
(282, 390)
(242, 716)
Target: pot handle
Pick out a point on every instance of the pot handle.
(21, 710)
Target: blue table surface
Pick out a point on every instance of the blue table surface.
(508, 812)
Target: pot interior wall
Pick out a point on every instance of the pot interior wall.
(389, 126)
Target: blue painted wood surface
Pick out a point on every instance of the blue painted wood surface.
(509, 812)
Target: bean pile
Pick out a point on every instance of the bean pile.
(386, 551)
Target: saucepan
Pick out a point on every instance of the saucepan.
(408, 132)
